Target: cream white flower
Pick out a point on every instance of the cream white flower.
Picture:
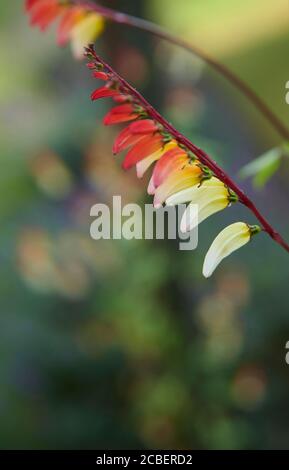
(211, 197)
(230, 239)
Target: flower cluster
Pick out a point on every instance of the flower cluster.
(78, 24)
(178, 175)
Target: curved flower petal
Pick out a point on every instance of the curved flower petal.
(229, 240)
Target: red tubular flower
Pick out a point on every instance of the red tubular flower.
(144, 126)
(133, 134)
(101, 75)
(121, 113)
(103, 92)
(126, 140)
(141, 150)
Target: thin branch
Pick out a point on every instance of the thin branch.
(237, 82)
(202, 156)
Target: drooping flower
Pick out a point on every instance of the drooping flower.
(210, 197)
(229, 240)
(78, 24)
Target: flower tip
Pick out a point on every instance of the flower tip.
(184, 228)
(206, 273)
(151, 187)
(106, 122)
(208, 269)
(125, 165)
(139, 172)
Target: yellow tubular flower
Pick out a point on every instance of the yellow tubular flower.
(229, 240)
(187, 177)
(143, 165)
(187, 195)
(85, 32)
(211, 197)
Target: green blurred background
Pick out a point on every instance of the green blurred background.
(123, 344)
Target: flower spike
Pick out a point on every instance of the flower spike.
(81, 22)
(183, 173)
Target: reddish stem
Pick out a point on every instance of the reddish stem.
(132, 21)
(204, 158)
